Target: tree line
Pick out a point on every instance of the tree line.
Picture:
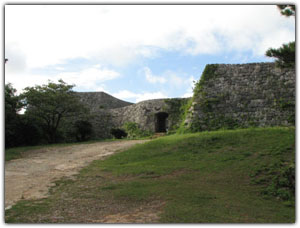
(53, 113)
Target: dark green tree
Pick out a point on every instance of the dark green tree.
(51, 104)
(83, 130)
(12, 120)
(287, 10)
(285, 55)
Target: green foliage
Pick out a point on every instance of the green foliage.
(83, 130)
(12, 119)
(287, 10)
(205, 104)
(285, 105)
(51, 103)
(118, 133)
(176, 110)
(184, 113)
(278, 176)
(214, 121)
(19, 129)
(134, 131)
(285, 55)
(31, 131)
(12, 101)
(208, 73)
(198, 92)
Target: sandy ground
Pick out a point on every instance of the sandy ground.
(31, 177)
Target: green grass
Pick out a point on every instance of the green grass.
(233, 176)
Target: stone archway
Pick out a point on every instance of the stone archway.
(161, 121)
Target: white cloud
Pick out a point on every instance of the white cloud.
(152, 78)
(137, 97)
(125, 94)
(16, 60)
(176, 80)
(121, 34)
(90, 79)
(148, 96)
(168, 77)
(124, 34)
(173, 79)
(189, 92)
(59, 68)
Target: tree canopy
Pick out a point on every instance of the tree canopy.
(52, 103)
(287, 10)
(285, 55)
(12, 120)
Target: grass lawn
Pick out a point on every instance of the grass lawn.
(236, 176)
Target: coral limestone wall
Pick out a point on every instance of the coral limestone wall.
(145, 113)
(242, 95)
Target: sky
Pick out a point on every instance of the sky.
(135, 52)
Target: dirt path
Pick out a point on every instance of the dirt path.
(31, 177)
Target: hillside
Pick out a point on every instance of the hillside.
(233, 176)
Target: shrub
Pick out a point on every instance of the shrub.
(134, 131)
(118, 133)
(83, 130)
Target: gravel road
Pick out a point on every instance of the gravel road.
(30, 177)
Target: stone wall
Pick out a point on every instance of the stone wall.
(226, 96)
(242, 95)
(107, 112)
(98, 104)
(144, 113)
(96, 101)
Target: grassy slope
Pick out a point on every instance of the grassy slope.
(223, 176)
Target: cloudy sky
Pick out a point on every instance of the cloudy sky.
(135, 52)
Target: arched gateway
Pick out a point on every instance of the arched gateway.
(161, 121)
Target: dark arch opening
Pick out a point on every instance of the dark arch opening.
(161, 121)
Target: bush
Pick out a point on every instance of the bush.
(31, 131)
(118, 133)
(133, 130)
(83, 130)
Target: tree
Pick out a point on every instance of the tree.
(285, 55)
(12, 102)
(12, 120)
(52, 103)
(83, 130)
(287, 10)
